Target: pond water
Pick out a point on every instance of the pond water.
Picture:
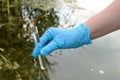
(98, 61)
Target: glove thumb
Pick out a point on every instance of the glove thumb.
(36, 50)
(50, 47)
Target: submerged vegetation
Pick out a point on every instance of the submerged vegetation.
(16, 45)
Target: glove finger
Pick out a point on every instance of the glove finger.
(36, 50)
(50, 47)
(45, 38)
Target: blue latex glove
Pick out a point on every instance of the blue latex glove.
(60, 38)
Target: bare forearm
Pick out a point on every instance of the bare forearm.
(106, 21)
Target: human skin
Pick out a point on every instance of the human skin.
(106, 21)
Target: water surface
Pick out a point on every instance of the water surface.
(98, 61)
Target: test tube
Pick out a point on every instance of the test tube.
(35, 35)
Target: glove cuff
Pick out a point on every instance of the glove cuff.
(86, 34)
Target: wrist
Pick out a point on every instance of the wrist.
(85, 34)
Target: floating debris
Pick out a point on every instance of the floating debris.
(91, 69)
(101, 72)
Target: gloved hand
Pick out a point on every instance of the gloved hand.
(60, 38)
